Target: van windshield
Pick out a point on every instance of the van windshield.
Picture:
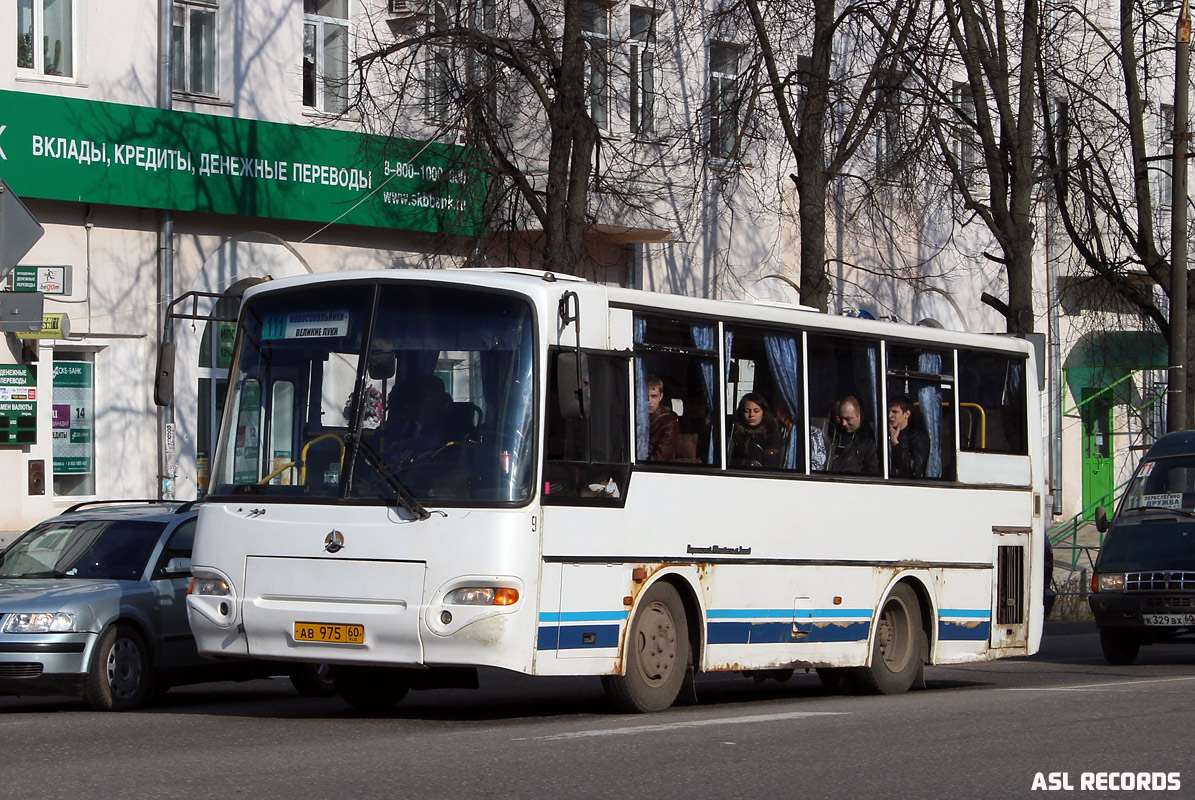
(361, 391)
(1165, 484)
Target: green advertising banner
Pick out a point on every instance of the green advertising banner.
(18, 405)
(59, 148)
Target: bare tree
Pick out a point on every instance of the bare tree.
(982, 81)
(826, 111)
(525, 86)
(1112, 186)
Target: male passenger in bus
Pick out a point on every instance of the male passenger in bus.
(910, 444)
(663, 426)
(855, 451)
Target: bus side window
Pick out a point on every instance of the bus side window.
(841, 367)
(587, 448)
(992, 403)
(920, 379)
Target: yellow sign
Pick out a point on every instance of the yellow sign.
(53, 326)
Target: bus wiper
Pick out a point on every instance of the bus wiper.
(401, 493)
(46, 573)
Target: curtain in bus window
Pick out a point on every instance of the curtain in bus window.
(865, 376)
(783, 356)
(930, 400)
(1012, 404)
(642, 423)
(703, 339)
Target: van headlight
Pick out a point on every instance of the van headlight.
(1109, 582)
(40, 622)
(209, 587)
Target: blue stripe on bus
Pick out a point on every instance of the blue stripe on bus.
(963, 631)
(980, 613)
(786, 613)
(582, 616)
(782, 632)
(572, 637)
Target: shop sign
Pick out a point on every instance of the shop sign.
(62, 148)
(47, 280)
(53, 326)
(18, 405)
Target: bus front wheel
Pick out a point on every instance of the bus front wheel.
(370, 689)
(656, 654)
(896, 649)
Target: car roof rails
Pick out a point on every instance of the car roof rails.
(132, 501)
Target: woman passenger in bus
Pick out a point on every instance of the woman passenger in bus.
(755, 440)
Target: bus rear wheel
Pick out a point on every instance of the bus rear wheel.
(370, 689)
(656, 654)
(896, 648)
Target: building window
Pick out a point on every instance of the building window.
(644, 91)
(193, 60)
(966, 141)
(440, 68)
(724, 99)
(326, 55)
(595, 27)
(45, 42)
(73, 424)
(1165, 168)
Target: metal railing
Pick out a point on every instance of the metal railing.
(1065, 538)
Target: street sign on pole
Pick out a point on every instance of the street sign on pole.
(18, 229)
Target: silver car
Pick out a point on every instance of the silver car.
(93, 604)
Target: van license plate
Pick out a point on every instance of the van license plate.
(327, 632)
(1169, 619)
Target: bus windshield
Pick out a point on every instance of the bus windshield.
(363, 391)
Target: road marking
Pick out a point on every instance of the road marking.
(1083, 687)
(700, 723)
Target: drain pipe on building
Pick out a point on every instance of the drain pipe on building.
(167, 464)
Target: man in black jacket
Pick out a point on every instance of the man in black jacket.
(910, 444)
(855, 450)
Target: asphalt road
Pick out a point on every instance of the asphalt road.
(978, 731)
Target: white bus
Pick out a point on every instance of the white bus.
(421, 473)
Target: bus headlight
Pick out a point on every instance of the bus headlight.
(482, 596)
(40, 622)
(1108, 582)
(209, 587)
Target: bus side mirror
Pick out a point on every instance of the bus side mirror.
(572, 384)
(382, 365)
(164, 378)
(1101, 519)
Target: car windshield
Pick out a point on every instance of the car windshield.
(381, 392)
(112, 549)
(1165, 484)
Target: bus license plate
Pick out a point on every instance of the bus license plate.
(1169, 619)
(337, 634)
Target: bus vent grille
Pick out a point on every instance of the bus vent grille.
(1010, 603)
(1159, 581)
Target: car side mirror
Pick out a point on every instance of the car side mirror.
(179, 565)
(1101, 519)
